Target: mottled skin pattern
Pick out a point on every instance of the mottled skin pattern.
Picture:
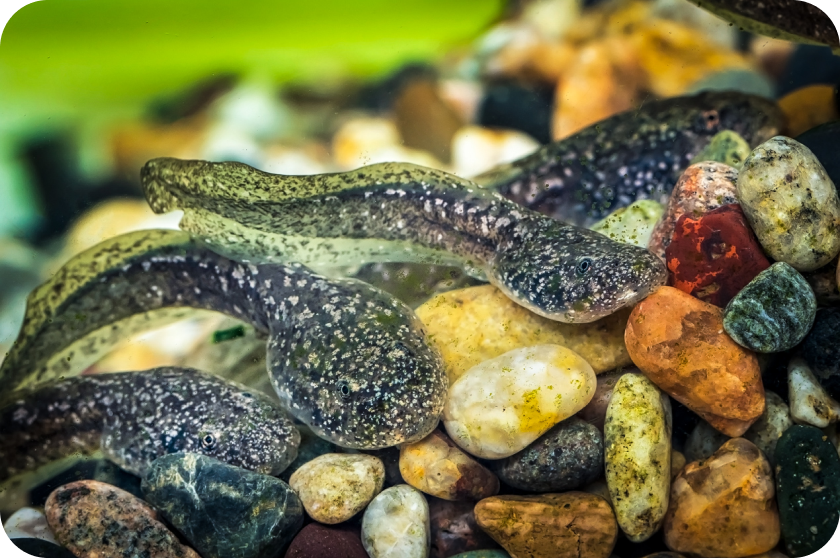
(408, 212)
(345, 358)
(634, 155)
(136, 417)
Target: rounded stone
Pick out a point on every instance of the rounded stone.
(320, 541)
(791, 203)
(725, 147)
(808, 486)
(773, 313)
(96, 520)
(336, 486)
(633, 224)
(767, 430)
(396, 524)
(28, 523)
(454, 529)
(222, 510)
(703, 442)
(566, 457)
(821, 350)
(596, 410)
(809, 402)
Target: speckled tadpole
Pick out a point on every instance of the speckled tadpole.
(345, 358)
(136, 417)
(404, 212)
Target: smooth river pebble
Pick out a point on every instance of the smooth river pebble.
(396, 524)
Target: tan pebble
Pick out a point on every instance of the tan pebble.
(678, 461)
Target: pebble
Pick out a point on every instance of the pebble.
(222, 510)
(568, 525)
(454, 529)
(474, 324)
(773, 313)
(791, 203)
(500, 406)
(678, 461)
(724, 507)
(423, 120)
(396, 524)
(713, 257)
(767, 430)
(436, 466)
(42, 548)
(567, 457)
(823, 282)
(595, 411)
(637, 442)
(96, 520)
(822, 141)
(808, 486)
(335, 486)
(808, 107)
(809, 402)
(476, 150)
(320, 541)
(821, 350)
(725, 147)
(632, 224)
(703, 442)
(515, 106)
(679, 343)
(28, 523)
(701, 188)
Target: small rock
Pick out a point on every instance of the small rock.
(222, 510)
(319, 541)
(566, 457)
(454, 529)
(701, 188)
(809, 402)
(637, 442)
(767, 430)
(678, 461)
(503, 404)
(821, 350)
(724, 507)
(773, 313)
(436, 466)
(424, 121)
(822, 141)
(476, 150)
(28, 523)
(568, 525)
(725, 147)
(679, 343)
(808, 485)
(311, 446)
(335, 486)
(713, 257)
(396, 524)
(471, 325)
(41, 548)
(703, 442)
(823, 282)
(509, 105)
(596, 410)
(632, 224)
(791, 204)
(808, 107)
(96, 520)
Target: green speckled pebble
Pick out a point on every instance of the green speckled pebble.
(807, 489)
(632, 224)
(222, 510)
(726, 147)
(773, 313)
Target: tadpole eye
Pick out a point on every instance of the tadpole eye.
(711, 118)
(343, 389)
(208, 441)
(583, 266)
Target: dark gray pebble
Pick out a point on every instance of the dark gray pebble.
(221, 510)
(821, 350)
(566, 457)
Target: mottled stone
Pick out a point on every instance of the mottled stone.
(475, 324)
(725, 147)
(637, 456)
(773, 313)
(724, 507)
(503, 404)
(596, 410)
(715, 255)
(566, 457)
(454, 529)
(396, 524)
(703, 187)
(809, 402)
(568, 525)
(632, 224)
(679, 343)
(791, 204)
(767, 430)
(320, 541)
(703, 442)
(821, 350)
(808, 486)
(311, 446)
(42, 548)
(436, 466)
(222, 510)
(96, 520)
(28, 523)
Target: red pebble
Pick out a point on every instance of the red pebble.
(320, 541)
(714, 256)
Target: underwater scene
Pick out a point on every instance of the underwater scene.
(475, 279)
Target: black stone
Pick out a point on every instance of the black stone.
(566, 457)
(515, 106)
(809, 65)
(221, 510)
(807, 489)
(42, 548)
(821, 349)
(823, 141)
